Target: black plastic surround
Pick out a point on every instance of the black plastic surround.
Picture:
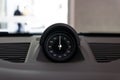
(60, 42)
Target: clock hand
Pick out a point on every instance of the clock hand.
(60, 45)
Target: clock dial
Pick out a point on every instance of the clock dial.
(60, 46)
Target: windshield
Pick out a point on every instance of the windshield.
(34, 16)
(31, 16)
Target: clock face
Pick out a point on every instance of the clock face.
(60, 46)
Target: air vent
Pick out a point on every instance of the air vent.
(14, 52)
(105, 52)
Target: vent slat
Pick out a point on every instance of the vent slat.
(105, 52)
(14, 52)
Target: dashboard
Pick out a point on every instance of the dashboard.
(60, 53)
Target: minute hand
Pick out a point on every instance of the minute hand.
(60, 45)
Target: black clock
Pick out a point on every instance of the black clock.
(59, 42)
(59, 46)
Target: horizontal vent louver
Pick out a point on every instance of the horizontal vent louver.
(105, 52)
(14, 52)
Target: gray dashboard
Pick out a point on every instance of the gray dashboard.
(43, 69)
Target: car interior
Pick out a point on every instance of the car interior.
(59, 40)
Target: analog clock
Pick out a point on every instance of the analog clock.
(59, 46)
(59, 42)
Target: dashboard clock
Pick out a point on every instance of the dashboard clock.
(59, 43)
(60, 46)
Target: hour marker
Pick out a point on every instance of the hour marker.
(54, 55)
(51, 51)
(60, 56)
(68, 51)
(68, 41)
(51, 41)
(64, 55)
(54, 38)
(64, 38)
(69, 46)
(50, 46)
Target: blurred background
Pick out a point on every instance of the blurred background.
(34, 16)
(31, 16)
